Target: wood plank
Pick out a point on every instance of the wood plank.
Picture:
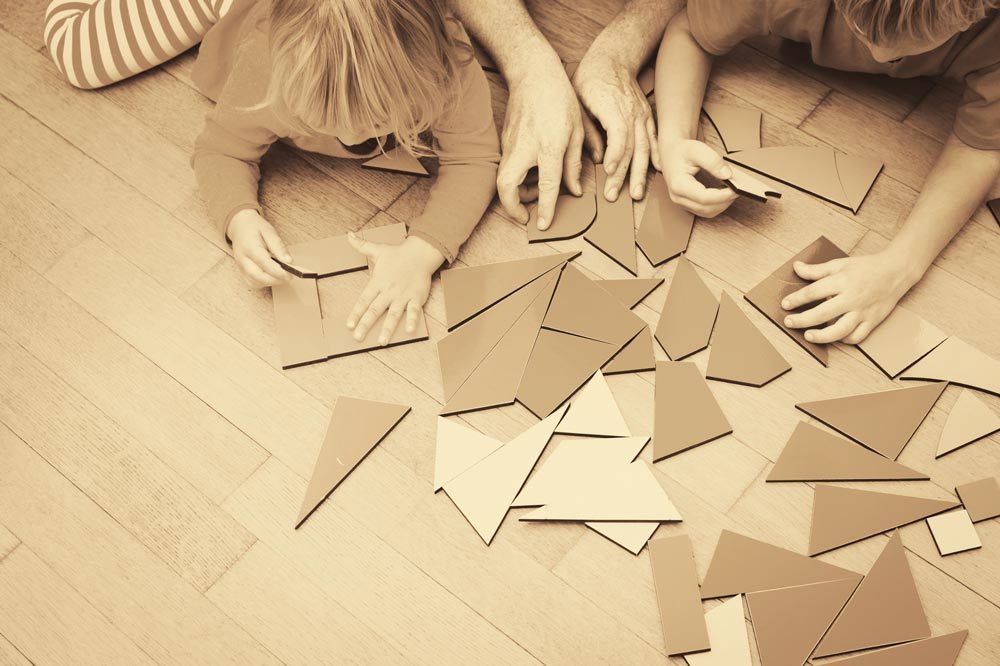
(24, 19)
(8, 541)
(10, 655)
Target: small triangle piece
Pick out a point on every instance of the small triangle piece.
(688, 314)
(857, 175)
(356, 427)
(630, 291)
(613, 232)
(581, 307)
(675, 580)
(397, 160)
(884, 610)
(970, 420)
(738, 127)
(981, 498)
(958, 362)
(953, 532)
(843, 515)
(740, 352)
(573, 216)
(901, 340)
(665, 228)
(636, 356)
(594, 412)
(458, 449)
(727, 632)
(686, 412)
(937, 651)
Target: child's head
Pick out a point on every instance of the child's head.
(363, 68)
(893, 29)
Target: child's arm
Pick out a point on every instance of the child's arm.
(857, 293)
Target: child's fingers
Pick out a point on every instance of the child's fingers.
(412, 316)
(368, 295)
(274, 243)
(654, 154)
(816, 271)
(860, 333)
(707, 159)
(367, 248)
(688, 187)
(815, 291)
(822, 313)
(392, 317)
(514, 167)
(834, 332)
(262, 258)
(640, 161)
(370, 316)
(258, 277)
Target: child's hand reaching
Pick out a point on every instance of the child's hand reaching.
(254, 243)
(682, 160)
(400, 282)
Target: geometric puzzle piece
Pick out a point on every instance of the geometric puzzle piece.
(953, 532)
(857, 175)
(340, 339)
(573, 216)
(969, 420)
(665, 228)
(938, 651)
(397, 160)
(738, 127)
(632, 536)
(727, 632)
(636, 356)
(746, 185)
(688, 315)
(613, 231)
(901, 340)
(958, 362)
(582, 307)
(630, 291)
(327, 256)
(686, 412)
(594, 412)
(298, 322)
(740, 353)
(675, 580)
(981, 498)
(458, 448)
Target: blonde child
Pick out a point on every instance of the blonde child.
(338, 77)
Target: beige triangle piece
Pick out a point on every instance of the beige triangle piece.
(397, 160)
(688, 313)
(298, 322)
(328, 256)
(727, 632)
(953, 532)
(788, 622)
(744, 184)
(740, 353)
(613, 232)
(937, 651)
(883, 421)
(901, 340)
(738, 127)
(636, 356)
(581, 307)
(469, 291)
(665, 228)
(857, 175)
(458, 448)
(594, 412)
(686, 413)
(969, 420)
(884, 610)
(356, 427)
(958, 362)
(981, 498)
(843, 515)
(483, 493)
(573, 216)
(675, 579)
(630, 291)
(812, 454)
(741, 565)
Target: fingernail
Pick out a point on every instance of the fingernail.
(810, 335)
(788, 321)
(543, 224)
(351, 323)
(358, 336)
(727, 173)
(637, 192)
(611, 193)
(786, 304)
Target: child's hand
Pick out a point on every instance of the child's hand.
(682, 160)
(254, 243)
(857, 292)
(400, 282)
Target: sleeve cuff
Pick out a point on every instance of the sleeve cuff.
(449, 256)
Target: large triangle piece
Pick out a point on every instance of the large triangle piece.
(958, 362)
(937, 651)
(594, 412)
(738, 127)
(630, 291)
(812, 454)
(809, 168)
(857, 175)
(686, 413)
(675, 581)
(970, 419)
(789, 622)
(573, 216)
(740, 352)
(688, 314)
(636, 356)
(581, 307)
(901, 340)
(469, 291)
(484, 492)
(613, 232)
(843, 515)
(727, 633)
(458, 448)
(356, 427)
(665, 228)
(883, 421)
(397, 160)
(884, 610)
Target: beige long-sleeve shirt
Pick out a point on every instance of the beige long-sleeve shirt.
(233, 69)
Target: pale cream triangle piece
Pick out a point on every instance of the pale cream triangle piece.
(630, 536)
(970, 419)
(958, 362)
(594, 412)
(458, 448)
(727, 633)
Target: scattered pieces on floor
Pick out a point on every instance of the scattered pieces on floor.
(686, 413)
(458, 447)
(573, 216)
(613, 232)
(969, 420)
(738, 127)
(637, 356)
(397, 160)
(675, 579)
(630, 291)
(981, 498)
(594, 412)
(665, 229)
(958, 362)
(901, 340)
(937, 651)
(740, 353)
(727, 633)
(688, 314)
(953, 532)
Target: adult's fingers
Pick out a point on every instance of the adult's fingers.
(371, 315)
(621, 143)
(640, 161)
(707, 159)
(860, 333)
(368, 295)
(256, 276)
(593, 138)
(514, 167)
(815, 291)
(527, 193)
(550, 168)
(412, 316)
(572, 162)
(274, 243)
(817, 271)
(392, 318)
(837, 331)
(816, 316)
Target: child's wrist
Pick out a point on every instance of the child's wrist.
(905, 264)
(425, 253)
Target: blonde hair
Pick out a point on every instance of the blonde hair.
(885, 21)
(378, 66)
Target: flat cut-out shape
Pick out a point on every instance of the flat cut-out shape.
(901, 340)
(458, 448)
(884, 610)
(675, 580)
(969, 420)
(937, 651)
(581, 307)
(958, 362)
(727, 632)
(630, 291)
(397, 160)
(788, 622)
(340, 339)
(686, 413)
(559, 364)
(297, 271)
(738, 127)
(812, 454)
(741, 565)
(630, 536)
(594, 412)
(328, 256)
(746, 185)
(953, 532)
(469, 291)
(298, 322)
(981, 498)
(484, 492)
(843, 515)
(573, 216)
(356, 427)
(740, 353)
(636, 356)
(883, 421)
(767, 295)
(665, 229)
(688, 314)
(613, 232)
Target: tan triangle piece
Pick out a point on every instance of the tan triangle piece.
(741, 565)
(901, 340)
(857, 175)
(746, 185)
(675, 580)
(738, 127)
(397, 160)
(594, 412)
(328, 256)
(686, 413)
(953, 532)
(636, 356)
(884, 610)
(298, 322)
(788, 622)
(356, 427)
(631, 536)
(883, 421)
(458, 448)
(958, 362)
(688, 314)
(483, 493)
(630, 291)
(581, 307)
(665, 228)
(727, 632)
(573, 216)
(843, 515)
(981, 498)
(613, 232)
(969, 420)
(937, 651)
(740, 352)
(812, 454)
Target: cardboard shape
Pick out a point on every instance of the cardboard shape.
(740, 353)
(397, 160)
(883, 421)
(746, 185)
(297, 271)
(969, 420)
(675, 580)
(665, 228)
(788, 622)
(613, 232)
(938, 651)
(458, 448)
(327, 257)
(686, 413)
(688, 314)
(981, 498)
(727, 632)
(767, 295)
(741, 565)
(901, 340)
(340, 339)
(812, 454)
(884, 610)
(298, 322)
(636, 356)
(483, 493)
(958, 362)
(994, 207)
(469, 291)
(843, 515)
(594, 412)
(953, 532)
(356, 427)
(581, 307)
(738, 127)
(630, 291)
(630, 536)
(573, 216)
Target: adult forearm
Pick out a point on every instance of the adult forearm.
(682, 69)
(508, 32)
(629, 39)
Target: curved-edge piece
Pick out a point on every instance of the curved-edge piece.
(738, 127)
(573, 216)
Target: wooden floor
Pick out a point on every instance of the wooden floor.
(153, 453)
